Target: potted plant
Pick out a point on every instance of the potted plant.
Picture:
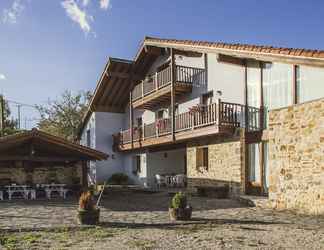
(88, 213)
(179, 209)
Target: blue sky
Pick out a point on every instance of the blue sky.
(47, 46)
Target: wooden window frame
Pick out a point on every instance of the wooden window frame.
(202, 163)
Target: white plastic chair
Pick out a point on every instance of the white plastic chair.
(63, 193)
(160, 180)
(32, 194)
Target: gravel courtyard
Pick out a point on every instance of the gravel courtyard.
(135, 220)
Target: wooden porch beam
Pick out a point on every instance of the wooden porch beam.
(230, 59)
(38, 158)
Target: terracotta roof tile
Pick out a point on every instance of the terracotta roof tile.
(255, 48)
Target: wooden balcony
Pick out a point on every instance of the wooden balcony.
(156, 89)
(217, 118)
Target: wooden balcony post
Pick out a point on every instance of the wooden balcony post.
(156, 80)
(131, 118)
(172, 95)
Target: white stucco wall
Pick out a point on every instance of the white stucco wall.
(228, 78)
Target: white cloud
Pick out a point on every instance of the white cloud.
(105, 4)
(77, 15)
(85, 2)
(11, 14)
(2, 77)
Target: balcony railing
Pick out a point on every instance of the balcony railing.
(185, 75)
(221, 113)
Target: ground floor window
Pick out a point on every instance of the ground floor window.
(258, 167)
(137, 164)
(202, 158)
(254, 163)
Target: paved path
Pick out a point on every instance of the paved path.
(140, 221)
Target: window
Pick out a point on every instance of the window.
(162, 114)
(207, 98)
(88, 138)
(310, 83)
(202, 158)
(266, 165)
(254, 163)
(139, 122)
(137, 164)
(277, 86)
(254, 84)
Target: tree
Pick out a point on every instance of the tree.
(63, 116)
(10, 125)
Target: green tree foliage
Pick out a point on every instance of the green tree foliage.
(10, 125)
(63, 116)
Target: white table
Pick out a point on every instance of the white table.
(22, 190)
(54, 188)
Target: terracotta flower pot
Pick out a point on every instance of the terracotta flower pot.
(88, 217)
(180, 213)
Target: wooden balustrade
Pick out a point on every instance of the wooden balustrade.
(219, 113)
(163, 77)
(187, 75)
(190, 75)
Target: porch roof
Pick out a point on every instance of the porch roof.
(38, 146)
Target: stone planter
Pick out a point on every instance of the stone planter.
(180, 213)
(88, 217)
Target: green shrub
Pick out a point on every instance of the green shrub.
(118, 179)
(179, 200)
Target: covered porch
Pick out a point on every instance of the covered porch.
(35, 164)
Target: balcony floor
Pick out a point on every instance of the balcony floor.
(161, 95)
(180, 137)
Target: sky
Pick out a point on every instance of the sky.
(48, 46)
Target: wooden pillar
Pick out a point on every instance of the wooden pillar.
(84, 173)
(261, 122)
(131, 117)
(206, 68)
(172, 95)
(295, 87)
(246, 97)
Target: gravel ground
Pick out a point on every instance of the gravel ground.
(140, 221)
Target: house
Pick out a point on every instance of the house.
(35, 157)
(247, 117)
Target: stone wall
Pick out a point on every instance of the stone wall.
(41, 175)
(296, 158)
(226, 165)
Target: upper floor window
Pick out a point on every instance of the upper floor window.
(207, 98)
(161, 114)
(277, 85)
(310, 83)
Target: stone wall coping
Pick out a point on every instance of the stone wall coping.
(298, 104)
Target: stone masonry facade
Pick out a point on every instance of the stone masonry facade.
(225, 165)
(296, 158)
